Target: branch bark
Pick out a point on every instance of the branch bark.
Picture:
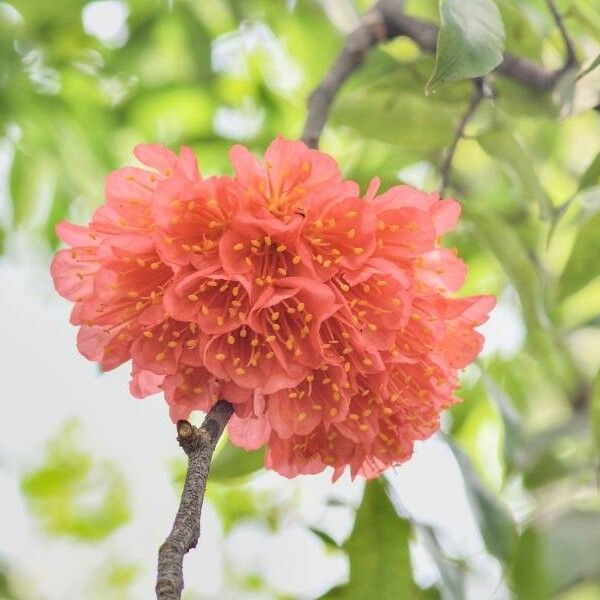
(571, 59)
(386, 20)
(476, 98)
(199, 445)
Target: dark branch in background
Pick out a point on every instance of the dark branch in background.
(386, 20)
(199, 445)
(571, 59)
(479, 93)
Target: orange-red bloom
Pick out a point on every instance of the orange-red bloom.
(324, 317)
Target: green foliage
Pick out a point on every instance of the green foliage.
(503, 146)
(452, 572)
(591, 176)
(72, 495)
(232, 462)
(470, 41)
(558, 556)
(378, 551)
(595, 408)
(236, 503)
(495, 522)
(583, 264)
(593, 65)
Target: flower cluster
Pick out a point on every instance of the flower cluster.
(324, 317)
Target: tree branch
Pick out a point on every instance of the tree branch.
(571, 59)
(199, 445)
(386, 20)
(478, 95)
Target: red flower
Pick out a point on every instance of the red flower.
(323, 317)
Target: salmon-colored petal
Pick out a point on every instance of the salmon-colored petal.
(156, 156)
(250, 433)
(445, 215)
(145, 383)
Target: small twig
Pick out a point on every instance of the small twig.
(386, 20)
(476, 98)
(571, 59)
(199, 445)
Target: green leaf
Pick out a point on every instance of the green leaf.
(514, 432)
(503, 146)
(591, 175)
(452, 572)
(174, 114)
(512, 254)
(583, 264)
(529, 576)
(572, 548)
(388, 87)
(546, 469)
(595, 408)
(325, 537)
(25, 187)
(595, 63)
(72, 495)
(378, 551)
(58, 211)
(470, 41)
(497, 526)
(232, 462)
(236, 503)
(409, 120)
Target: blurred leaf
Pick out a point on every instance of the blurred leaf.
(72, 495)
(520, 101)
(25, 188)
(570, 549)
(58, 211)
(510, 251)
(595, 408)
(583, 264)
(522, 32)
(113, 580)
(495, 522)
(594, 64)
(591, 176)
(502, 145)
(452, 572)
(409, 120)
(528, 572)
(232, 462)
(514, 432)
(470, 41)
(577, 427)
(546, 469)
(325, 537)
(236, 503)
(174, 115)
(378, 551)
(6, 591)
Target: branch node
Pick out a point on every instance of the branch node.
(185, 430)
